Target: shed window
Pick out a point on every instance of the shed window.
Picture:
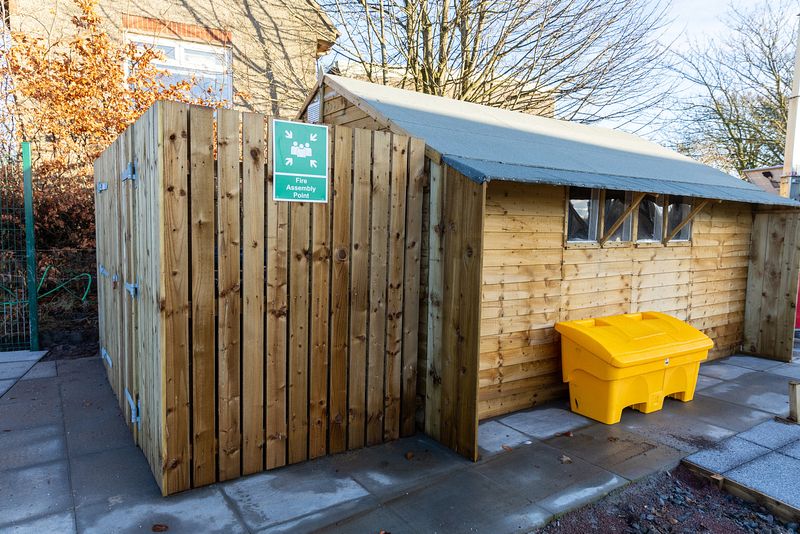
(678, 210)
(582, 219)
(650, 219)
(616, 202)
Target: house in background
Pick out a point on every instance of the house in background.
(258, 55)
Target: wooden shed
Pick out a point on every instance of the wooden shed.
(528, 221)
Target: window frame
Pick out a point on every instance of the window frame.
(181, 67)
(594, 217)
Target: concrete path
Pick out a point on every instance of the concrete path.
(766, 457)
(67, 463)
(14, 365)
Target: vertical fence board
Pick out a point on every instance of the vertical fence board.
(298, 331)
(359, 290)
(376, 359)
(340, 288)
(411, 300)
(277, 305)
(394, 297)
(433, 377)
(318, 370)
(253, 437)
(201, 131)
(176, 298)
(229, 296)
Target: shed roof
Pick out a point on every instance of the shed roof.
(486, 143)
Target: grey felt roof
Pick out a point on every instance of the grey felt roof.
(486, 143)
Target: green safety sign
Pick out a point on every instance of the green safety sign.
(299, 161)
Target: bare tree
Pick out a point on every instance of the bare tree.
(738, 119)
(595, 60)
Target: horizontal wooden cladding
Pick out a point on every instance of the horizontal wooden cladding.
(531, 281)
(284, 324)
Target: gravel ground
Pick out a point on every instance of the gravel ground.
(670, 502)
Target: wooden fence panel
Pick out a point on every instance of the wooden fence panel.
(263, 332)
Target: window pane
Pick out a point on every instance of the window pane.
(677, 211)
(204, 59)
(582, 217)
(615, 204)
(651, 219)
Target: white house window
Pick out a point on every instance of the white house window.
(209, 65)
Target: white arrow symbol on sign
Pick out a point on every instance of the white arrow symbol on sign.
(313, 137)
(313, 163)
(289, 161)
(289, 134)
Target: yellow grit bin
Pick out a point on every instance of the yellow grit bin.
(635, 360)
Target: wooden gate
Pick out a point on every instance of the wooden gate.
(242, 334)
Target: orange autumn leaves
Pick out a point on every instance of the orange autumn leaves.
(72, 99)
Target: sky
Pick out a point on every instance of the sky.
(697, 19)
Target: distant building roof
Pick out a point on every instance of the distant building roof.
(767, 178)
(486, 143)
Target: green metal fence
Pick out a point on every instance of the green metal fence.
(19, 326)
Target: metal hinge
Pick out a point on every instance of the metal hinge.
(106, 357)
(133, 289)
(102, 186)
(130, 171)
(136, 408)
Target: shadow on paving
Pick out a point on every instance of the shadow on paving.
(68, 463)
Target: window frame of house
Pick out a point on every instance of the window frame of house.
(180, 65)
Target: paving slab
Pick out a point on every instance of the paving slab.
(789, 370)
(479, 505)
(291, 492)
(41, 370)
(751, 362)
(773, 474)
(582, 493)
(624, 453)
(355, 512)
(717, 412)
(704, 381)
(792, 449)
(544, 423)
(89, 435)
(14, 370)
(727, 454)
(375, 520)
(201, 510)
(34, 491)
(39, 412)
(31, 446)
(117, 476)
(494, 437)
(537, 471)
(388, 469)
(723, 371)
(674, 429)
(61, 523)
(5, 385)
(22, 356)
(772, 434)
(26, 391)
(762, 391)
